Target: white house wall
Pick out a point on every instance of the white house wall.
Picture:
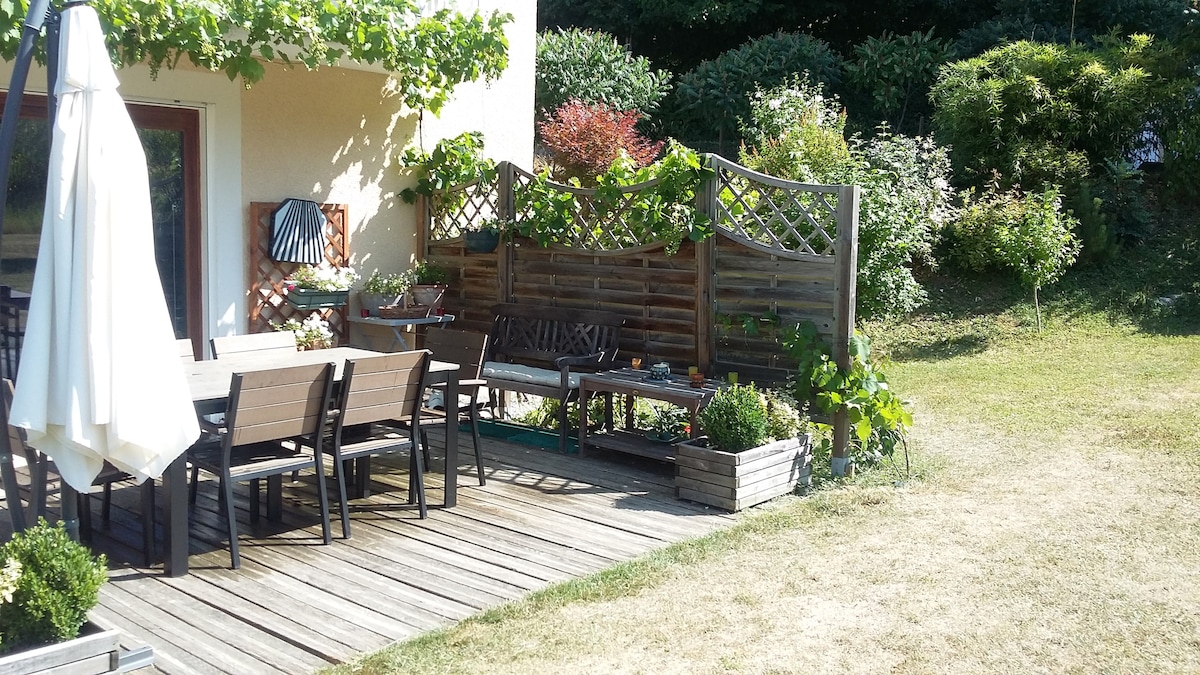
(330, 136)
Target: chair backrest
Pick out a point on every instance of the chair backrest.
(283, 340)
(385, 387)
(456, 346)
(14, 436)
(268, 405)
(186, 353)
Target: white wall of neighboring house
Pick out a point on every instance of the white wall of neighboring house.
(333, 135)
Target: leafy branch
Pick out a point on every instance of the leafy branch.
(427, 54)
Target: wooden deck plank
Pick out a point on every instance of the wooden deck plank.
(245, 638)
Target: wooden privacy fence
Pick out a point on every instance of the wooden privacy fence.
(783, 252)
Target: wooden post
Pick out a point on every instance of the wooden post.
(706, 202)
(506, 203)
(845, 292)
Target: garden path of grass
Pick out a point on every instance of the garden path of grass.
(1052, 528)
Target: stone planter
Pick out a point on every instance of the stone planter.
(309, 298)
(735, 481)
(429, 295)
(373, 301)
(94, 651)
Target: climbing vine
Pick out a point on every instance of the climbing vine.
(427, 53)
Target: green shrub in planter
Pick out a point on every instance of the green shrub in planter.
(736, 419)
(58, 582)
(784, 420)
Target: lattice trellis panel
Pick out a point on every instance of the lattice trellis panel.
(267, 303)
(463, 205)
(775, 214)
(612, 229)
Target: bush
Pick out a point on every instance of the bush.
(894, 73)
(905, 199)
(784, 420)
(1039, 114)
(796, 132)
(709, 100)
(1027, 233)
(736, 419)
(585, 139)
(59, 582)
(590, 66)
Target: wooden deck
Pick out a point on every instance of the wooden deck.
(295, 605)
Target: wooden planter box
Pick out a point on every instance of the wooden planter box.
(94, 651)
(735, 481)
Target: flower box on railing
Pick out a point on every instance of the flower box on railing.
(310, 298)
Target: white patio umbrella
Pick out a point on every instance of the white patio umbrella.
(100, 377)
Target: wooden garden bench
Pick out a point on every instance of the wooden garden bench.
(540, 350)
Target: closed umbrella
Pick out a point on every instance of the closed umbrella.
(100, 377)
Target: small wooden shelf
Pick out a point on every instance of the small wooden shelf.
(633, 444)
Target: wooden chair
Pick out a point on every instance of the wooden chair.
(377, 390)
(468, 351)
(14, 441)
(284, 340)
(266, 408)
(186, 353)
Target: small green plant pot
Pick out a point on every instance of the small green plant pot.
(483, 241)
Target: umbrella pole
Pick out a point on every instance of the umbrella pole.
(69, 497)
(16, 91)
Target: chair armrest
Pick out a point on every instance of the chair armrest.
(563, 362)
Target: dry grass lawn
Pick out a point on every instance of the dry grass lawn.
(1053, 526)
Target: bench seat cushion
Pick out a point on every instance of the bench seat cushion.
(516, 372)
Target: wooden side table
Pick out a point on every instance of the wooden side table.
(634, 384)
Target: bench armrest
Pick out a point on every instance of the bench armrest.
(565, 362)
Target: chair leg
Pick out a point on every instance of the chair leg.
(254, 493)
(37, 488)
(148, 522)
(562, 428)
(231, 517)
(106, 508)
(339, 472)
(323, 500)
(425, 446)
(193, 485)
(85, 516)
(417, 481)
(475, 439)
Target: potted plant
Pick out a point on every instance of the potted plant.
(754, 450)
(670, 423)
(313, 333)
(313, 287)
(381, 290)
(48, 583)
(429, 284)
(484, 236)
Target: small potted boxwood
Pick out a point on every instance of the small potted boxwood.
(753, 450)
(429, 284)
(381, 290)
(48, 583)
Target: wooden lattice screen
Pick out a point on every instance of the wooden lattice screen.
(266, 297)
(783, 249)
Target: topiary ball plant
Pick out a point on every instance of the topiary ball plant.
(736, 419)
(49, 584)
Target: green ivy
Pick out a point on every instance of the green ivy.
(427, 54)
(663, 211)
(879, 423)
(453, 161)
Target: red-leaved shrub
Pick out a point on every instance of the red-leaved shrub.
(585, 139)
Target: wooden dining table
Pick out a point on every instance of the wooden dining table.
(210, 381)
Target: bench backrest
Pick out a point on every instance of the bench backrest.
(537, 334)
